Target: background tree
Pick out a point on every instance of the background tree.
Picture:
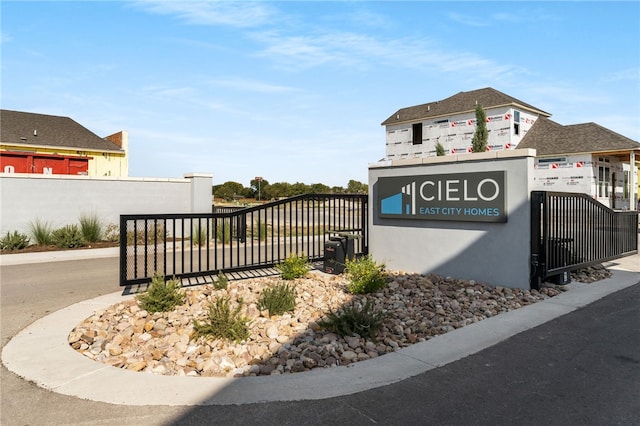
(280, 190)
(299, 188)
(319, 188)
(481, 135)
(260, 190)
(355, 187)
(228, 190)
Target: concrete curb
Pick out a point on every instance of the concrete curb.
(58, 256)
(61, 369)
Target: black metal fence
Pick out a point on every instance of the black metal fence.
(571, 231)
(197, 247)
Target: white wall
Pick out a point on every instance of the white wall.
(494, 253)
(455, 133)
(61, 200)
(579, 173)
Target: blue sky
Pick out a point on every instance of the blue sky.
(296, 91)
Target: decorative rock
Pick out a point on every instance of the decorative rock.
(137, 366)
(349, 356)
(272, 332)
(417, 307)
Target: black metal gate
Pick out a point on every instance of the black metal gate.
(196, 247)
(572, 231)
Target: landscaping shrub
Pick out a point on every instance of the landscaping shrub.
(354, 319)
(68, 236)
(294, 267)
(278, 299)
(222, 322)
(365, 275)
(14, 241)
(223, 231)
(112, 232)
(41, 232)
(222, 282)
(161, 296)
(156, 234)
(259, 230)
(91, 228)
(199, 235)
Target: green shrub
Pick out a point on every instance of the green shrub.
(199, 235)
(222, 282)
(91, 228)
(278, 299)
(41, 232)
(14, 241)
(353, 319)
(365, 275)
(223, 231)
(222, 322)
(68, 236)
(161, 296)
(294, 267)
(259, 230)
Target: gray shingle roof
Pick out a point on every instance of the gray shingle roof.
(548, 138)
(49, 130)
(461, 102)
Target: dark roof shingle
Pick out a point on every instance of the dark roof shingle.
(549, 138)
(49, 130)
(461, 102)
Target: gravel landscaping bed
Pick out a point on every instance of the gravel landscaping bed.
(416, 308)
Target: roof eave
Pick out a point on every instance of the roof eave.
(389, 121)
(65, 148)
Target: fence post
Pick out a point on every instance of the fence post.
(537, 247)
(201, 184)
(123, 250)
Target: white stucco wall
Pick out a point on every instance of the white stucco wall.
(494, 253)
(61, 200)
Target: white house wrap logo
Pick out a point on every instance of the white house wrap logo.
(471, 197)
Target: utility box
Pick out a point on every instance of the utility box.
(562, 278)
(336, 252)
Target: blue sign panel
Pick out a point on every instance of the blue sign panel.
(470, 197)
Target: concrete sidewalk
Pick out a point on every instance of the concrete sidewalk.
(76, 375)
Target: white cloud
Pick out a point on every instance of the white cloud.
(352, 50)
(169, 92)
(212, 12)
(251, 85)
(469, 20)
(629, 74)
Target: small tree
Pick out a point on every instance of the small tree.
(440, 150)
(481, 135)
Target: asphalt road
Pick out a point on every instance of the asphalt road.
(582, 368)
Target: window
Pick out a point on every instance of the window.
(516, 122)
(417, 134)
